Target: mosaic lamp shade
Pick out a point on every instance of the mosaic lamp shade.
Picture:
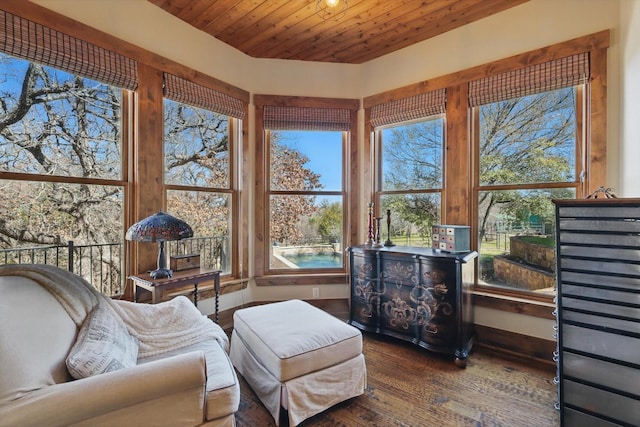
(160, 227)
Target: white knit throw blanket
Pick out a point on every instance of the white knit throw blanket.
(158, 327)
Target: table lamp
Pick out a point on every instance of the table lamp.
(159, 227)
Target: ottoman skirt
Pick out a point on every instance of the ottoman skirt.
(297, 357)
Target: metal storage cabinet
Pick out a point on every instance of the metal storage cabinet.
(598, 312)
(415, 294)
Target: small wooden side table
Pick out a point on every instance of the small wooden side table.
(193, 277)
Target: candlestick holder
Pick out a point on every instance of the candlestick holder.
(377, 243)
(389, 242)
(369, 241)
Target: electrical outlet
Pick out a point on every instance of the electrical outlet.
(316, 292)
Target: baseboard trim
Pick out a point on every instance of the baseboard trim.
(522, 346)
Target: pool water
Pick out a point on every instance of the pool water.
(316, 260)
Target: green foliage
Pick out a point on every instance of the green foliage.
(539, 240)
(329, 221)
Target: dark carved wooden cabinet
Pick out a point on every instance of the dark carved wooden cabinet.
(415, 294)
(598, 312)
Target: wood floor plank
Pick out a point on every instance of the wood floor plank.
(412, 387)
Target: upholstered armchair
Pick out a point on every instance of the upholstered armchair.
(70, 356)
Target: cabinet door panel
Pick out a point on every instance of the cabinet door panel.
(596, 239)
(602, 322)
(605, 308)
(610, 375)
(604, 225)
(591, 341)
(592, 211)
(365, 295)
(596, 279)
(602, 294)
(437, 295)
(618, 407)
(599, 252)
(601, 266)
(398, 308)
(574, 418)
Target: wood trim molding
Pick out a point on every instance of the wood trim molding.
(306, 279)
(523, 346)
(511, 304)
(306, 101)
(455, 198)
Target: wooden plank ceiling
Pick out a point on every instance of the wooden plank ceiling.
(291, 29)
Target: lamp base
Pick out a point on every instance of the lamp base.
(161, 273)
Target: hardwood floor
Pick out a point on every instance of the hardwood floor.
(411, 387)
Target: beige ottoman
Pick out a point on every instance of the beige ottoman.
(298, 357)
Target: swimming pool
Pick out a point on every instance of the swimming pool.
(330, 260)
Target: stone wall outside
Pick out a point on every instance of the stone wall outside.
(522, 276)
(532, 253)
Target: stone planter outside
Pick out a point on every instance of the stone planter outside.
(528, 266)
(522, 276)
(532, 253)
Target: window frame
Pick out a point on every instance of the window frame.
(460, 189)
(578, 185)
(231, 191)
(264, 274)
(70, 62)
(378, 161)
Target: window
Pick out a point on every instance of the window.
(303, 209)
(62, 169)
(411, 179)
(409, 135)
(306, 199)
(199, 152)
(530, 151)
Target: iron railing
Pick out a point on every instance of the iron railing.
(102, 265)
(213, 250)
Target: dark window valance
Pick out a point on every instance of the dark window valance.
(29, 40)
(185, 91)
(551, 75)
(306, 118)
(413, 107)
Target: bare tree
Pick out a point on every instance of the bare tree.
(288, 173)
(55, 124)
(413, 158)
(525, 140)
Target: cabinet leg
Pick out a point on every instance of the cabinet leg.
(461, 362)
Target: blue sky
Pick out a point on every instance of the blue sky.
(324, 150)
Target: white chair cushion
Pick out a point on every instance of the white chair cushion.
(293, 338)
(36, 334)
(103, 345)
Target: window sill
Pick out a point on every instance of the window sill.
(515, 304)
(307, 279)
